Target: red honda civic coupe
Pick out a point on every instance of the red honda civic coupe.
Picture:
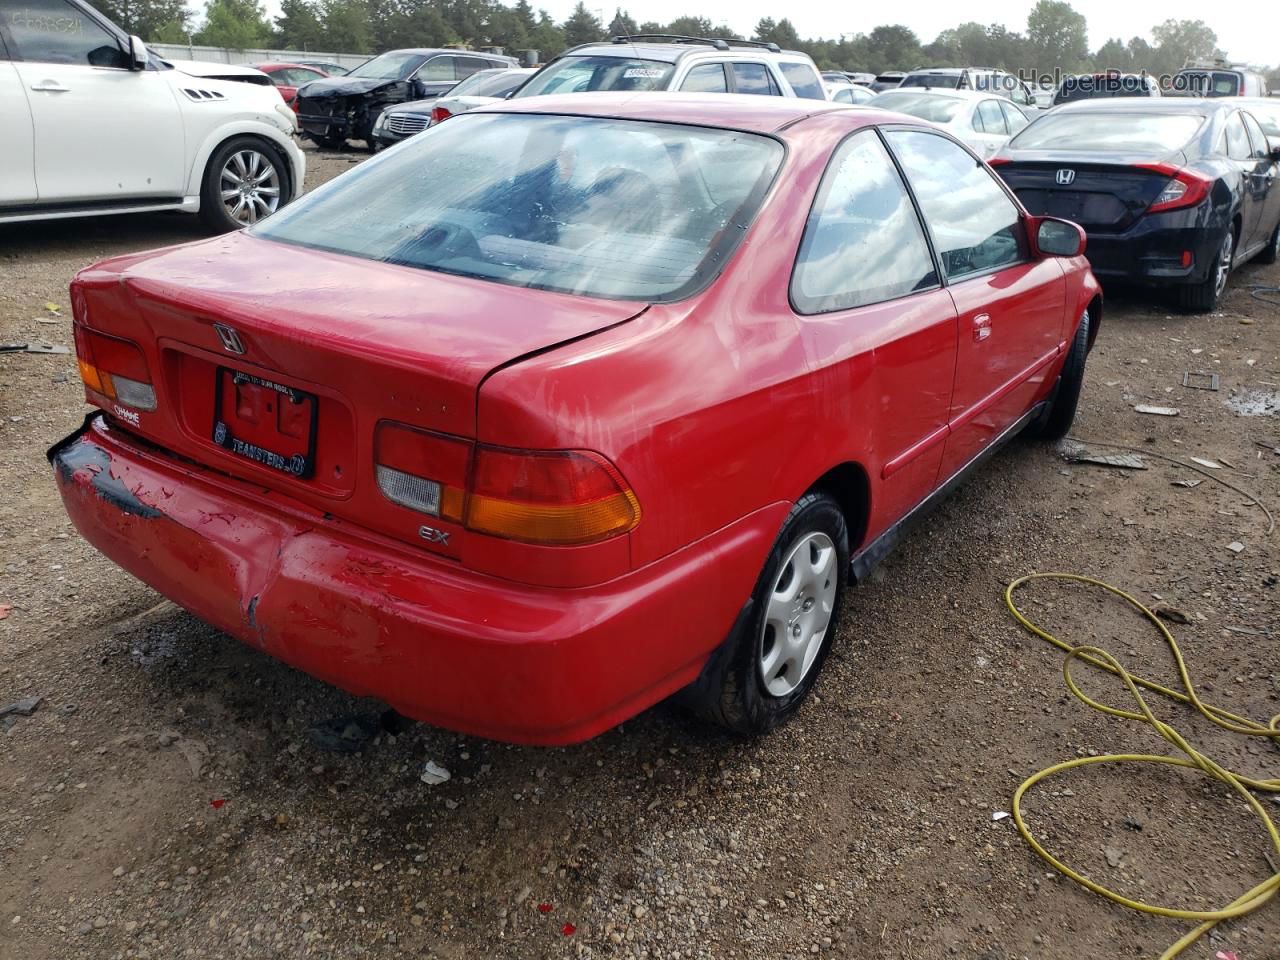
(573, 402)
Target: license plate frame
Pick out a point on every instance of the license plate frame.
(300, 465)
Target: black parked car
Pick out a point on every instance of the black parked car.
(337, 109)
(1171, 192)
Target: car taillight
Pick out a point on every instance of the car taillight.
(536, 496)
(440, 115)
(1185, 188)
(998, 161)
(114, 368)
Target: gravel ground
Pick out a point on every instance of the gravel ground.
(167, 799)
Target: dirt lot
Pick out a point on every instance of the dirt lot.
(166, 799)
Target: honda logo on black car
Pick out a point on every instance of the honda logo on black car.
(1066, 177)
(230, 339)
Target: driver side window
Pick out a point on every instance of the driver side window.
(53, 31)
(976, 227)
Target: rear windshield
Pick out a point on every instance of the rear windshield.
(1091, 87)
(1207, 83)
(1110, 132)
(945, 81)
(619, 209)
(922, 105)
(390, 66)
(585, 74)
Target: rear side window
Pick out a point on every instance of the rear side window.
(708, 78)
(466, 66)
(1237, 140)
(863, 243)
(976, 227)
(1014, 117)
(754, 78)
(989, 118)
(437, 68)
(52, 31)
(1260, 149)
(803, 79)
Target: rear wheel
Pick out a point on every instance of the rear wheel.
(768, 664)
(246, 181)
(1204, 297)
(330, 143)
(1054, 422)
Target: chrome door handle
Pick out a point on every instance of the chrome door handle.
(50, 86)
(981, 327)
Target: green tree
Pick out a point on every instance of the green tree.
(622, 24)
(237, 24)
(582, 27)
(1113, 55)
(1058, 36)
(782, 33)
(547, 37)
(346, 26)
(1178, 42)
(147, 18)
(298, 27)
(892, 47)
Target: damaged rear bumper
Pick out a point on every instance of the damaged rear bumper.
(439, 643)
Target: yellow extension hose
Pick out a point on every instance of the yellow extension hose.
(1097, 657)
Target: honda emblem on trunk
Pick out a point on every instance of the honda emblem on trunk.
(230, 339)
(1066, 177)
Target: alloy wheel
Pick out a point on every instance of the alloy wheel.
(250, 186)
(798, 613)
(1223, 268)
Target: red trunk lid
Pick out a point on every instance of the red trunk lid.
(330, 340)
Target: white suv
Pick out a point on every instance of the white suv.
(669, 62)
(92, 123)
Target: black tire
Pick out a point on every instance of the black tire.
(731, 690)
(330, 143)
(1203, 297)
(1271, 252)
(1054, 422)
(212, 210)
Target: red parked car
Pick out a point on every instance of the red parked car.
(607, 407)
(288, 77)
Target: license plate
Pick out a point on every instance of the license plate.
(265, 421)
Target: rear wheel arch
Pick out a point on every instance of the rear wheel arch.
(1095, 318)
(849, 486)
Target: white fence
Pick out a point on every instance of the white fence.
(180, 51)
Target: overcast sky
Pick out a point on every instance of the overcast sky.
(1245, 31)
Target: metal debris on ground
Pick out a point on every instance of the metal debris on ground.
(32, 348)
(1235, 546)
(22, 708)
(433, 773)
(1200, 381)
(999, 815)
(1193, 482)
(1207, 463)
(1157, 411)
(1075, 452)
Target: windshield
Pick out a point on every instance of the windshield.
(389, 66)
(1206, 83)
(488, 83)
(944, 81)
(583, 74)
(618, 209)
(922, 105)
(1109, 132)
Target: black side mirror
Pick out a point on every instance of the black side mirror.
(1058, 238)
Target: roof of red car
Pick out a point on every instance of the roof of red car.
(278, 65)
(737, 111)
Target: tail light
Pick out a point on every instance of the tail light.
(998, 161)
(1185, 188)
(536, 496)
(440, 115)
(114, 368)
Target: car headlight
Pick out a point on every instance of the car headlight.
(286, 114)
(381, 121)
